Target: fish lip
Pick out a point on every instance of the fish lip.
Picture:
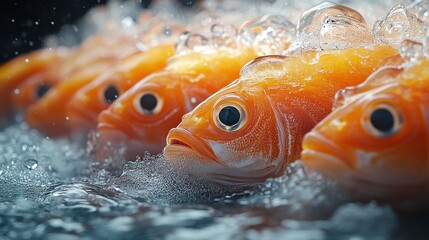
(82, 116)
(358, 183)
(110, 122)
(340, 155)
(182, 139)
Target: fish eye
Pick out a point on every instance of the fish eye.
(42, 90)
(230, 117)
(111, 93)
(383, 120)
(149, 103)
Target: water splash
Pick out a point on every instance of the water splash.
(192, 42)
(420, 8)
(411, 50)
(398, 25)
(270, 34)
(329, 26)
(223, 35)
(157, 181)
(154, 29)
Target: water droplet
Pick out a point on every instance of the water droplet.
(426, 44)
(410, 50)
(16, 91)
(12, 20)
(24, 147)
(420, 8)
(193, 42)
(27, 60)
(342, 96)
(31, 163)
(223, 35)
(398, 25)
(270, 34)
(36, 23)
(167, 31)
(127, 22)
(331, 26)
(52, 23)
(67, 118)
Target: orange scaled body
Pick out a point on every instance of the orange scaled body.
(376, 141)
(249, 130)
(20, 70)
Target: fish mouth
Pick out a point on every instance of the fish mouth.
(82, 117)
(181, 140)
(108, 122)
(324, 156)
(316, 147)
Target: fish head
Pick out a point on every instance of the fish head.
(33, 89)
(376, 142)
(90, 100)
(98, 95)
(232, 136)
(141, 118)
(49, 114)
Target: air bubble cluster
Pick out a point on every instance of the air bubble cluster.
(398, 25)
(329, 26)
(270, 34)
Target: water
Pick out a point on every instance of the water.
(52, 190)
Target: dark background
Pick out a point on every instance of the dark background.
(20, 34)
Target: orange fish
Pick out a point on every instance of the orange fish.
(19, 70)
(94, 50)
(84, 107)
(142, 117)
(32, 89)
(375, 142)
(249, 130)
(48, 115)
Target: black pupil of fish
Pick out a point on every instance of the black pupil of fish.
(42, 90)
(148, 102)
(111, 94)
(383, 120)
(229, 116)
